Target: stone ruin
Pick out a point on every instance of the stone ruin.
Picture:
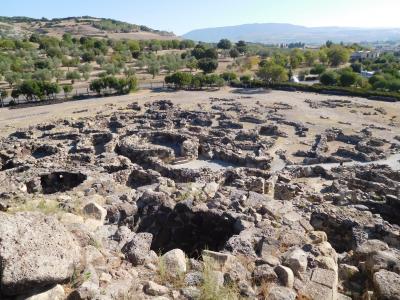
(125, 192)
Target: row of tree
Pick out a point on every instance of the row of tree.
(347, 77)
(34, 90)
(186, 80)
(111, 84)
(330, 54)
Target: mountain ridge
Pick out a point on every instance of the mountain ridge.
(286, 33)
(20, 26)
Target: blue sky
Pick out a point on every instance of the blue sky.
(182, 16)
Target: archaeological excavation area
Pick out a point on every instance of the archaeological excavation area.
(226, 195)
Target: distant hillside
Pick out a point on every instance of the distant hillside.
(79, 26)
(287, 33)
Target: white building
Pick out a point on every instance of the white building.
(363, 55)
(367, 74)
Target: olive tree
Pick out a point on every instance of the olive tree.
(208, 65)
(154, 68)
(67, 90)
(273, 73)
(338, 55)
(328, 78)
(224, 44)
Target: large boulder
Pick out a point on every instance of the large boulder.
(296, 259)
(264, 273)
(190, 149)
(281, 293)
(388, 260)
(55, 293)
(174, 262)
(370, 247)
(35, 251)
(285, 275)
(138, 249)
(153, 289)
(95, 211)
(387, 285)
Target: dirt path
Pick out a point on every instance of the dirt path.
(12, 119)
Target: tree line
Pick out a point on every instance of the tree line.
(36, 90)
(182, 80)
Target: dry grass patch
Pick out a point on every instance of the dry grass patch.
(211, 289)
(47, 207)
(164, 278)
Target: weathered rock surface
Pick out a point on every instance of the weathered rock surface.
(55, 293)
(296, 260)
(153, 289)
(387, 285)
(174, 262)
(35, 251)
(137, 249)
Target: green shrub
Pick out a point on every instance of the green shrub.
(318, 69)
(347, 78)
(246, 79)
(329, 78)
(119, 85)
(186, 80)
(228, 76)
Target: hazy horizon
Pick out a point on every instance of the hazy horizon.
(288, 23)
(179, 17)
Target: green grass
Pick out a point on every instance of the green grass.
(210, 289)
(78, 278)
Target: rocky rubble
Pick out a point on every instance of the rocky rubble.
(104, 208)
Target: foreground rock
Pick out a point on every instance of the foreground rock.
(387, 285)
(35, 251)
(55, 293)
(174, 262)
